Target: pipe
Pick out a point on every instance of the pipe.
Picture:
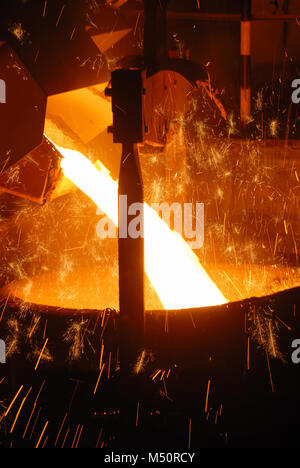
(193, 16)
(245, 53)
(155, 32)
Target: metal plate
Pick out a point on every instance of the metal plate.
(22, 116)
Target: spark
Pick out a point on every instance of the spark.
(75, 336)
(104, 326)
(274, 128)
(65, 438)
(41, 353)
(33, 409)
(19, 410)
(46, 438)
(269, 370)
(72, 446)
(137, 414)
(207, 395)
(109, 364)
(28, 422)
(165, 386)
(190, 433)
(36, 320)
(72, 34)
(45, 327)
(13, 174)
(60, 14)
(248, 353)
(264, 331)
(34, 424)
(141, 362)
(275, 245)
(103, 318)
(233, 284)
(74, 391)
(272, 344)
(176, 278)
(13, 338)
(156, 374)
(18, 31)
(45, 6)
(60, 429)
(42, 433)
(136, 23)
(98, 380)
(4, 307)
(79, 436)
(101, 355)
(12, 402)
(99, 437)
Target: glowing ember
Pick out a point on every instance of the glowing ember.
(172, 267)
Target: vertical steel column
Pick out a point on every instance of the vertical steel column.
(126, 92)
(131, 259)
(245, 52)
(155, 32)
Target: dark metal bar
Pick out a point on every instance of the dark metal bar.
(275, 17)
(155, 32)
(126, 92)
(245, 52)
(193, 16)
(131, 261)
(285, 7)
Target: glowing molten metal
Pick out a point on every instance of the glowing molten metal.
(170, 264)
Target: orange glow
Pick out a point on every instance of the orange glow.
(170, 264)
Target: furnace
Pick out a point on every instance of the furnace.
(151, 338)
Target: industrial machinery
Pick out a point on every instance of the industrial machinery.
(141, 340)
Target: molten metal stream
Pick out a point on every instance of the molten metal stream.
(170, 264)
